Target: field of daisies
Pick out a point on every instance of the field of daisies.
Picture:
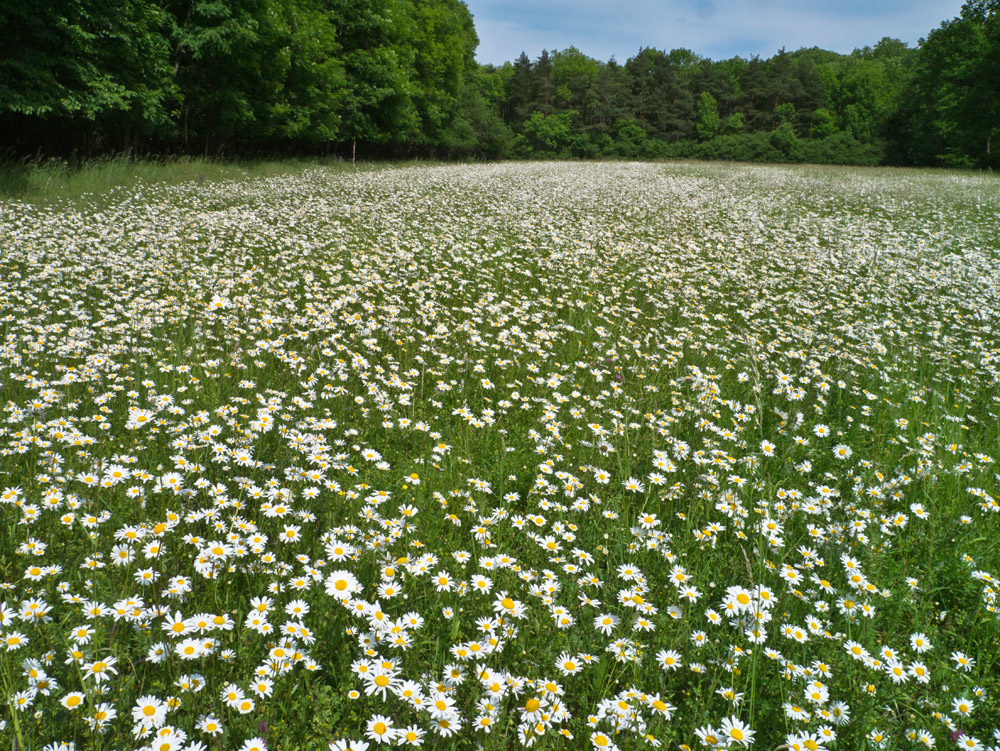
(561, 456)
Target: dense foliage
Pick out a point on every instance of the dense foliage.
(398, 77)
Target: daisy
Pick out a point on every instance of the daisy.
(669, 659)
(709, 736)
(100, 670)
(149, 712)
(73, 700)
(736, 732)
(842, 452)
(606, 622)
(505, 605)
(342, 584)
(568, 664)
(969, 743)
(963, 662)
(962, 707)
(412, 735)
(209, 724)
(379, 729)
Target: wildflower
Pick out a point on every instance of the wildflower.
(606, 622)
(73, 700)
(412, 735)
(101, 717)
(920, 672)
(736, 731)
(969, 743)
(23, 700)
(189, 649)
(342, 584)
(709, 736)
(962, 661)
(505, 605)
(668, 659)
(602, 742)
(100, 670)
(149, 712)
(14, 640)
(962, 707)
(210, 725)
(568, 664)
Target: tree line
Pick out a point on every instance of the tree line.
(391, 78)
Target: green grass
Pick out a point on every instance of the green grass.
(54, 181)
(690, 399)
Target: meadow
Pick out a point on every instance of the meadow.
(548, 455)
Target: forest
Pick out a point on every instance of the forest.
(372, 79)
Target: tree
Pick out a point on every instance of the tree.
(399, 77)
(734, 123)
(660, 101)
(478, 128)
(783, 139)
(227, 66)
(953, 105)
(786, 113)
(980, 10)
(544, 85)
(84, 74)
(755, 103)
(306, 106)
(378, 62)
(547, 135)
(573, 76)
(521, 86)
(608, 98)
(630, 139)
(823, 123)
(444, 41)
(707, 124)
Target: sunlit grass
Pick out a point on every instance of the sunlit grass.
(56, 181)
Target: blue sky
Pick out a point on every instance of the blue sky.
(712, 28)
